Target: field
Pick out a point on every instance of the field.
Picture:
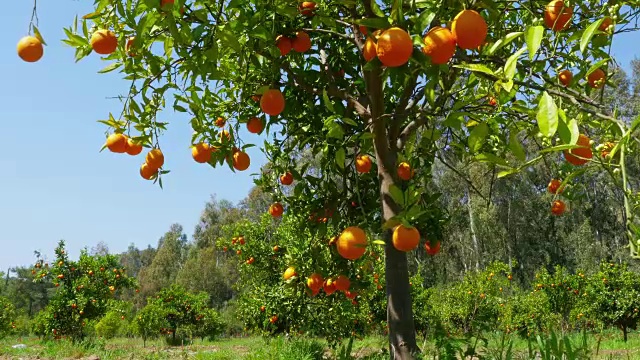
(254, 348)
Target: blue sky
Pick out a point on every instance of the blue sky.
(55, 183)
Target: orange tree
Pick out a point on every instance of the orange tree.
(378, 90)
(83, 291)
(295, 281)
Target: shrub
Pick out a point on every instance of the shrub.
(109, 326)
(7, 317)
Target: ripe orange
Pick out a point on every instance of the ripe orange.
(432, 249)
(128, 46)
(276, 248)
(220, 121)
(133, 148)
(565, 76)
(272, 102)
(284, 44)
(558, 207)
(369, 51)
(276, 209)
(342, 283)
(352, 243)
(289, 273)
(117, 143)
(363, 164)
(469, 29)
(263, 308)
(405, 238)
(30, 49)
(302, 42)
(439, 45)
(554, 186)
(155, 158)
(580, 155)
(254, 125)
(286, 178)
(394, 47)
(273, 319)
(201, 152)
(307, 8)
(329, 286)
(315, 281)
(241, 161)
(557, 15)
(104, 42)
(597, 79)
(404, 171)
(606, 22)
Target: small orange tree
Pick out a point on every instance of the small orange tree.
(84, 288)
(378, 91)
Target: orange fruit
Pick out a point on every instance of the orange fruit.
(352, 243)
(220, 121)
(558, 207)
(469, 29)
(315, 281)
(329, 286)
(155, 158)
(147, 172)
(394, 47)
(606, 22)
(557, 15)
(493, 101)
(272, 102)
(128, 46)
(104, 42)
(597, 79)
(201, 152)
(432, 249)
(302, 42)
(363, 164)
(289, 273)
(404, 171)
(284, 44)
(133, 148)
(565, 76)
(439, 45)
(117, 143)
(30, 49)
(263, 308)
(254, 125)
(554, 186)
(276, 248)
(405, 238)
(579, 155)
(241, 161)
(276, 209)
(307, 8)
(286, 178)
(369, 51)
(342, 283)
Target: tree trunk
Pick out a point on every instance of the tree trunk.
(624, 332)
(402, 334)
(472, 227)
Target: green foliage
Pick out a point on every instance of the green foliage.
(84, 288)
(109, 326)
(150, 322)
(7, 317)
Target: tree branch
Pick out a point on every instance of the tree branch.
(331, 32)
(401, 110)
(439, 157)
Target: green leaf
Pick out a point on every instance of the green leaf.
(533, 38)
(396, 194)
(516, 147)
(110, 67)
(376, 23)
(228, 38)
(340, 158)
(475, 68)
(504, 41)
(396, 11)
(547, 115)
(511, 65)
(327, 102)
(378, 242)
(478, 136)
(423, 21)
(596, 66)
(37, 34)
(504, 173)
(376, 8)
(588, 34)
(568, 131)
(559, 148)
(488, 157)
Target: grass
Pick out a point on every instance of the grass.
(608, 345)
